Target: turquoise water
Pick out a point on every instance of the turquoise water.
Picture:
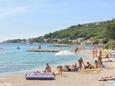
(13, 60)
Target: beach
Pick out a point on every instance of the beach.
(57, 43)
(81, 78)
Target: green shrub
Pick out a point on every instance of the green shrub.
(105, 40)
(95, 41)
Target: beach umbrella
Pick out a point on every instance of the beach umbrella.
(64, 53)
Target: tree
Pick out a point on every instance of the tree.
(110, 44)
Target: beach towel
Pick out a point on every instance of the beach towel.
(90, 70)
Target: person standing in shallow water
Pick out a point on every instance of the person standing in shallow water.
(93, 53)
(76, 50)
(18, 48)
(39, 47)
(100, 62)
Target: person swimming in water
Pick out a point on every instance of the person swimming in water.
(18, 48)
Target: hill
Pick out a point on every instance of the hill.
(96, 30)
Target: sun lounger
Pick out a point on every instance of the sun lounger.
(39, 76)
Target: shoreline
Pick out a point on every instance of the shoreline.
(81, 78)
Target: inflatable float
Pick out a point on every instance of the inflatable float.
(39, 76)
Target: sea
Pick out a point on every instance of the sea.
(15, 57)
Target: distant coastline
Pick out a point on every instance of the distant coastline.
(91, 33)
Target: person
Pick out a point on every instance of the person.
(108, 55)
(18, 48)
(80, 61)
(76, 50)
(59, 70)
(39, 47)
(74, 67)
(67, 68)
(1, 49)
(105, 78)
(93, 53)
(96, 52)
(48, 68)
(100, 60)
(96, 65)
(89, 66)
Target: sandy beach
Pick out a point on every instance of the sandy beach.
(81, 78)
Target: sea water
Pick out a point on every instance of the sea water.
(14, 60)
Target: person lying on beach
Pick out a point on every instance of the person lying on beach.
(88, 66)
(48, 68)
(105, 78)
(70, 68)
(74, 67)
(66, 68)
(108, 55)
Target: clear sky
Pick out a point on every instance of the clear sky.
(32, 18)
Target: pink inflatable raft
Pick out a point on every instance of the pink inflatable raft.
(39, 76)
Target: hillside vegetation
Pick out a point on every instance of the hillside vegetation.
(98, 30)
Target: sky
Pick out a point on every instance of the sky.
(33, 18)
